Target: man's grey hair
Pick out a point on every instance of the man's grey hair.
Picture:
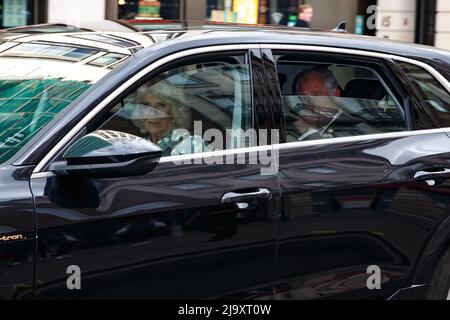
(326, 75)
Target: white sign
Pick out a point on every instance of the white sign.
(396, 21)
(14, 13)
(74, 12)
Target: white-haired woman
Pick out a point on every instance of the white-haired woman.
(166, 121)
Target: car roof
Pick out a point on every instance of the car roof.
(197, 34)
(299, 36)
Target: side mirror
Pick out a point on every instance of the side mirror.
(108, 154)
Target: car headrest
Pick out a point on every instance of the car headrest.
(364, 89)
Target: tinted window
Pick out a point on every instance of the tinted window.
(107, 59)
(50, 51)
(324, 101)
(193, 108)
(432, 92)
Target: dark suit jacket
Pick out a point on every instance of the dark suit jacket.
(302, 24)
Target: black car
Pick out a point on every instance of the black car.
(239, 163)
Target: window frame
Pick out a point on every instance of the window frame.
(432, 72)
(377, 65)
(103, 115)
(43, 149)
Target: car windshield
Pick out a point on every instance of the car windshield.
(37, 82)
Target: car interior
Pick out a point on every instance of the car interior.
(215, 94)
(367, 106)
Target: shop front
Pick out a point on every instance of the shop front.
(234, 11)
(253, 11)
(15, 13)
(150, 10)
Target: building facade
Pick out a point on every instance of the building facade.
(442, 31)
(421, 21)
(15, 13)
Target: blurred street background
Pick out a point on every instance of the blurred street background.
(420, 21)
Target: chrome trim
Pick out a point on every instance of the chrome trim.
(183, 158)
(325, 49)
(393, 296)
(40, 175)
(189, 52)
(212, 154)
(126, 85)
(237, 198)
(439, 77)
(377, 136)
(279, 146)
(421, 175)
(299, 144)
(420, 64)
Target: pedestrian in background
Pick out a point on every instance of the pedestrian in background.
(305, 15)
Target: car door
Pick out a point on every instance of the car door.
(201, 224)
(362, 182)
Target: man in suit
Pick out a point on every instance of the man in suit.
(319, 90)
(305, 15)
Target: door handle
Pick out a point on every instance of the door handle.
(429, 176)
(241, 198)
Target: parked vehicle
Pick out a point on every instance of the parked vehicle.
(176, 165)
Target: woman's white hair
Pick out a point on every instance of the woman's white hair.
(170, 95)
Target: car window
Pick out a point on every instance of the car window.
(193, 108)
(327, 100)
(433, 93)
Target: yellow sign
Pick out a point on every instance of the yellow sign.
(247, 11)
